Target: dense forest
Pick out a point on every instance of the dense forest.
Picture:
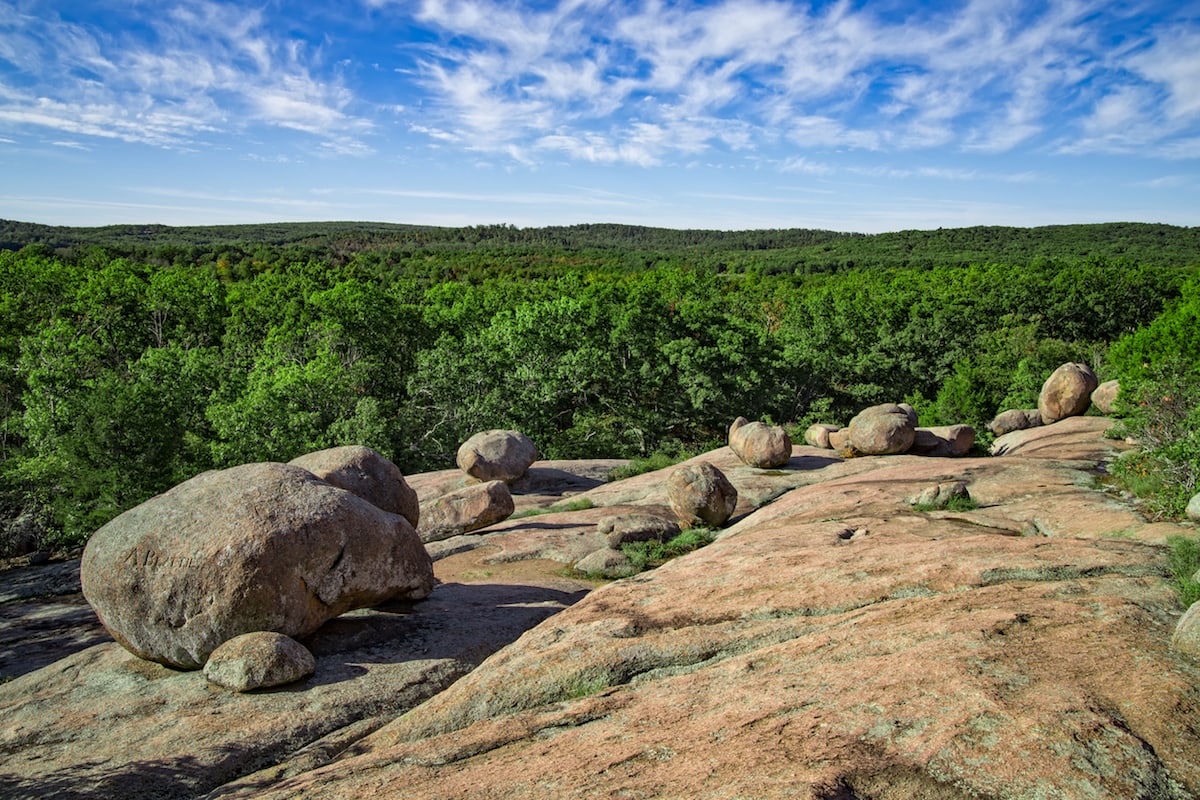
(136, 356)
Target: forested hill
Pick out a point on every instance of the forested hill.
(795, 250)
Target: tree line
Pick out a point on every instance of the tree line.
(126, 373)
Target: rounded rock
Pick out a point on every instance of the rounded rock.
(260, 547)
(497, 455)
(1067, 392)
(761, 445)
(364, 472)
(700, 494)
(883, 430)
(1186, 638)
(259, 660)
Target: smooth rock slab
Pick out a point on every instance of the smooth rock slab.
(260, 547)
(258, 661)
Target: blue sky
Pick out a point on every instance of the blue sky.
(850, 116)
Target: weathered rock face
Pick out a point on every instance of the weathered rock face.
(761, 445)
(259, 661)
(364, 472)
(467, 509)
(1067, 392)
(883, 430)
(948, 441)
(923, 656)
(1105, 396)
(1015, 419)
(818, 435)
(260, 547)
(496, 455)
(700, 494)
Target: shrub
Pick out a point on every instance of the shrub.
(647, 555)
(1183, 560)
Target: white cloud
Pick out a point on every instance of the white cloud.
(987, 75)
(167, 79)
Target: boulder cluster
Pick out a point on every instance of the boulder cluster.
(267, 547)
(228, 569)
(1070, 391)
(890, 429)
(491, 460)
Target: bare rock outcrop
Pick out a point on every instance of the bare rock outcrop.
(1067, 392)
(883, 429)
(700, 494)
(260, 547)
(259, 661)
(364, 472)
(497, 455)
(761, 445)
(470, 508)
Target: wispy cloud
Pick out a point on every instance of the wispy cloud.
(169, 76)
(645, 82)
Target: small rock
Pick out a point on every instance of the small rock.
(1015, 419)
(607, 562)
(1067, 392)
(700, 494)
(259, 660)
(760, 445)
(364, 472)
(1105, 396)
(941, 495)
(846, 533)
(627, 528)
(818, 435)
(883, 429)
(497, 455)
(839, 439)
(468, 509)
(1186, 638)
(1193, 508)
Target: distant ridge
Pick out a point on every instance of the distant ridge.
(770, 250)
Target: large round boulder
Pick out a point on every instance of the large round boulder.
(883, 430)
(700, 494)
(497, 455)
(364, 472)
(260, 547)
(1067, 392)
(1186, 637)
(761, 445)
(1193, 508)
